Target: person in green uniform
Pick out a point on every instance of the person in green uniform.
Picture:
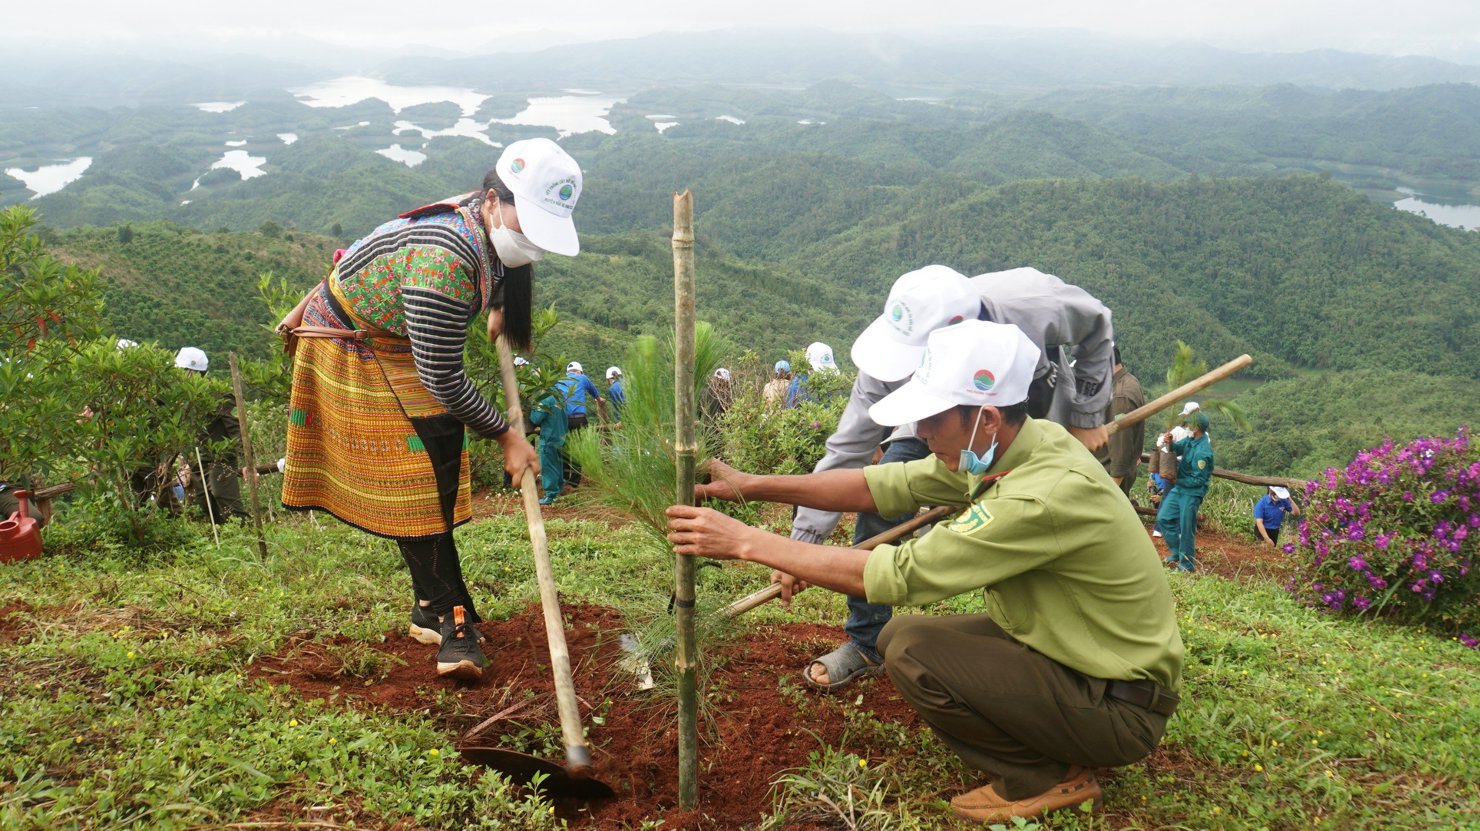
(1177, 517)
(550, 417)
(1076, 663)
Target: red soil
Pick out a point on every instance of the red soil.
(751, 732)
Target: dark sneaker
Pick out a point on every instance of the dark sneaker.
(459, 657)
(425, 627)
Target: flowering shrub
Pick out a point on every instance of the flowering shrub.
(1395, 533)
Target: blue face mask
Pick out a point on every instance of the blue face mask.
(969, 461)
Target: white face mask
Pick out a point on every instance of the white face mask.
(513, 248)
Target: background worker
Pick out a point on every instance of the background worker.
(220, 495)
(578, 393)
(1048, 310)
(819, 359)
(1269, 514)
(1177, 517)
(615, 392)
(774, 393)
(1121, 454)
(1077, 662)
(381, 401)
(549, 416)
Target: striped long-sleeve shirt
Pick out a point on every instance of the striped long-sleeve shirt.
(426, 278)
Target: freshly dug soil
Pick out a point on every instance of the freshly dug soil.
(751, 731)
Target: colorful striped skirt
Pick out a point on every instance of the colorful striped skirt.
(366, 441)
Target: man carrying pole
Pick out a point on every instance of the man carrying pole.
(1076, 664)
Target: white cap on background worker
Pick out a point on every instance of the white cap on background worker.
(192, 359)
(820, 356)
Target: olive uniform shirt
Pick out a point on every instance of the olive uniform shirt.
(1066, 566)
(1196, 465)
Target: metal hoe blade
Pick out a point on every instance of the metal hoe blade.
(538, 773)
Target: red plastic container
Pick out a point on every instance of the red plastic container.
(20, 538)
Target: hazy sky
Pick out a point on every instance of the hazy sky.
(1443, 28)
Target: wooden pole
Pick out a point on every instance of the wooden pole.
(577, 753)
(685, 656)
(1201, 382)
(246, 437)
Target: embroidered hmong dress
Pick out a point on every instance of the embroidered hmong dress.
(376, 427)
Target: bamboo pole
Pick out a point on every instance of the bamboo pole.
(246, 437)
(685, 656)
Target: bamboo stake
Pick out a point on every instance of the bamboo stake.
(685, 656)
(246, 437)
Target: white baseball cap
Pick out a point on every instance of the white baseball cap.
(520, 360)
(613, 371)
(1279, 492)
(546, 183)
(190, 357)
(722, 374)
(574, 366)
(125, 343)
(820, 356)
(919, 303)
(975, 362)
(1190, 407)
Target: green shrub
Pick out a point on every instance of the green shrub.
(776, 439)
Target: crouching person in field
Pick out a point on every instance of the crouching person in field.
(1077, 662)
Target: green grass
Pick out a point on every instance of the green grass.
(126, 701)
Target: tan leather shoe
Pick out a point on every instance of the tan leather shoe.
(984, 805)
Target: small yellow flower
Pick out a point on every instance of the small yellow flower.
(434, 752)
(130, 654)
(1330, 774)
(1371, 709)
(76, 740)
(863, 763)
(1258, 767)
(292, 722)
(1217, 809)
(332, 741)
(1273, 743)
(1314, 742)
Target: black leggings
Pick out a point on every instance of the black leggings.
(436, 573)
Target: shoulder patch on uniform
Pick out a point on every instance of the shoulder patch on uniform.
(973, 519)
(1202, 463)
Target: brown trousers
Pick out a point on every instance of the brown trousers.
(1019, 716)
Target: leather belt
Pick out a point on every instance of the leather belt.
(1148, 695)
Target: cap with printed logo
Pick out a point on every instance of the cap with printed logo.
(192, 358)
(820, 356)
(974, 363)
(546, 183)
(919, 303)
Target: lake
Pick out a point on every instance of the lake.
(1454, 213)
(52, 177)
(568, 114)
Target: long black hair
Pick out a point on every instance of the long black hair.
(515, 294)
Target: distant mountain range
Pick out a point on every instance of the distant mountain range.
(992, 63)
